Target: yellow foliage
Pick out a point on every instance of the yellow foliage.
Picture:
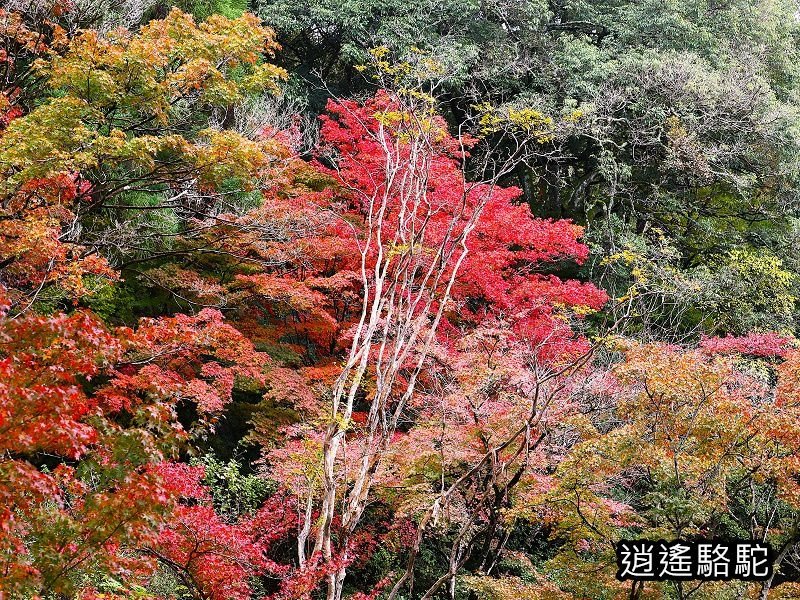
(512, 588)
(123, 98)
(493, 119)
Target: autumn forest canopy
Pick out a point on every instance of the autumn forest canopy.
(396, 299)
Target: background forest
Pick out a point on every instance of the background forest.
(382, 299)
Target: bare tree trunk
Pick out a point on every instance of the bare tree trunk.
(407, 274)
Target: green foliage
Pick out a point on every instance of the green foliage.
(745, 289)
(125, 302)
(749, 290)
(234, 492)
(201, 9)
